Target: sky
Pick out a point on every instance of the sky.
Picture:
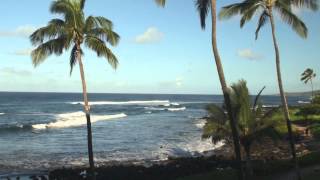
(162, 50)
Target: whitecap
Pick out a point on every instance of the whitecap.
(177, 109)
(152, 102)
(2, 114)
(75, 119)
(200, 123)
(304, 102)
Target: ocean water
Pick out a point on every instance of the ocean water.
(48, 130)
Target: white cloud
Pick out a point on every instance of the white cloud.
(21, 31)
(151, 35)
(249, 54)
(9, 71)
(22, 52)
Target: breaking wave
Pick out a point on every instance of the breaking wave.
(75, 119)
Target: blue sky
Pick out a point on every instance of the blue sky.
(161, 51)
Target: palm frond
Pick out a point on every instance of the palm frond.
(262, 21)
(247, 13)
(105, 34)
(290, 18)
(82, 3)
(161, 2)
(203, 9)
(73, 58)
(71, 11)
(54, 46)
(101, 49)
(310, 4)
(55, 28)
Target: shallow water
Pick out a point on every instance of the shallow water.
(47, 130)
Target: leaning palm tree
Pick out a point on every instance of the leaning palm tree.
(72, 31)
(253, 122)
(247, 9)
(307, 76)
(203, 7)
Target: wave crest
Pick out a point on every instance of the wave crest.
(75, 119)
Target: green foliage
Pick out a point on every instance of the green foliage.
(71, 31)
(316, 99)
(247, 9)
(310, 109)
(307, 75)
(161, 2)
(315, 130)
(253, 122)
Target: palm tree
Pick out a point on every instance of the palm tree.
(74, 30)
(253, 122)
(247, 9)
(307, 76)
(203, 7)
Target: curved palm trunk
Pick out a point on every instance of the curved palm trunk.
(225, 90)
(283, 97)
(87, 111)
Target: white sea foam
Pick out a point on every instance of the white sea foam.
(304, 102)
(200, 123)
(270, 106)
(177, 109)
(153, 102)
(194, 148)
(75, 119)
(165, 109)
(2, 114)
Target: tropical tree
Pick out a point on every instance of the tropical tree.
(307, 76)
(72, 31)
(247, 9)
(253, 122)
(203, 7)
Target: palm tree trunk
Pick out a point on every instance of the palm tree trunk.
(225, 90)
(248, 161)
(283, 98)
(312, 91)
(87, 111)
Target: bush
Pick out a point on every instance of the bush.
(315, 130)
(310, 109)
(316, 99)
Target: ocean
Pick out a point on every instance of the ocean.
(44, 131)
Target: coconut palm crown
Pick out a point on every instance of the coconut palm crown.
(71, 31)
(307, 76)
(249, 8)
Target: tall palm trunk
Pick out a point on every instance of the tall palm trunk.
(87, 111)
(248, 161)
(225, 90)
(312, 90)
(283, 97)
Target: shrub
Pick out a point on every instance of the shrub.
(315, 130)
(310, 109)
(316, 99)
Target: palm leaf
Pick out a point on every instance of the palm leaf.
(101, 49)
(203, 9)
(287, 16)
